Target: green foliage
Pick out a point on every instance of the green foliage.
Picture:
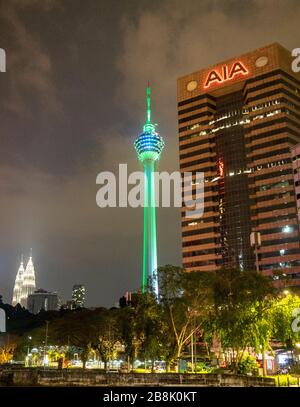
(247, 365)
(286, 380)
(281, 318)
(184, 301)
(241, 300)
(233, 309)
(202, 367)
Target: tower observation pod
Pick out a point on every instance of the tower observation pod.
(149, 146)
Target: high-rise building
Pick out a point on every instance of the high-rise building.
(24, 283)
(28, 286)
(42, 300)
(78, 296)
(238, 121)
(149, 146)
(17, 292)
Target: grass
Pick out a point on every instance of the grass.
(285, 380)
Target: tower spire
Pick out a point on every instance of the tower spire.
(17, 291)
(148, 93)
(148, 126)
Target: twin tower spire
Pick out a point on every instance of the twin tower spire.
(24, 283)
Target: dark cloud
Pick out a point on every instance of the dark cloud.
(72, 102)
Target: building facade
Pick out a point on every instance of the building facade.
(17, 291)
(24, 283)
(42, 300)
(28, 286)
(296, 168)
(78, 296)
(238, 121)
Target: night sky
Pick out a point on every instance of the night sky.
(72, 103)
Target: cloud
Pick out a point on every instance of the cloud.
(29, 66)
(177, 38)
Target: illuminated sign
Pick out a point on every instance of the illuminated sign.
(225, 74)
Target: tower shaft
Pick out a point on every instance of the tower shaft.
(150, 244)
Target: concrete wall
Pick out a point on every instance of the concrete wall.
(38, 377)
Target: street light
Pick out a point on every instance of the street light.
(29, 339)
(46, 343)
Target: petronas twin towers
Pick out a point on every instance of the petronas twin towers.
(24, 284)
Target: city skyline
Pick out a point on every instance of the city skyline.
(70, 103)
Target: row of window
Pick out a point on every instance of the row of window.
(274, 218)
(217, 252)
(281, 229)
(271, 74)
(266, 144)
(271, 93)
(283, 205)
(197, 107)
(282, 252)
(279, 81)
(270, 133)
(216, 241)
(276, 266)
(271, 154)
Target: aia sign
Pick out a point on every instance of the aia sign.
(225, 73)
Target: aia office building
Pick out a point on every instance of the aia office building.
(238, 122)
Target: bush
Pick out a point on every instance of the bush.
(248, 365)
(286, 380)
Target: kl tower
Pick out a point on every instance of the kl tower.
(149, 146)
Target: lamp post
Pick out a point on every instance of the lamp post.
(29, 339)
(192, 351)
(46, 343)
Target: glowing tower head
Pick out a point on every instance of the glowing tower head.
(149, 146)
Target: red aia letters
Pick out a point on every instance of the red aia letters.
(225, 74)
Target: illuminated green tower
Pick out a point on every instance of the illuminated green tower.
(149, 146)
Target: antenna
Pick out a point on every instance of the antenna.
(148, 92)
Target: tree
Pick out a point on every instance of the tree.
(75, 329)
(141, 328)
(185, 301)
(107, 334)
(282, 318)
(8, 345)
(240, 299)
(148, 327)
